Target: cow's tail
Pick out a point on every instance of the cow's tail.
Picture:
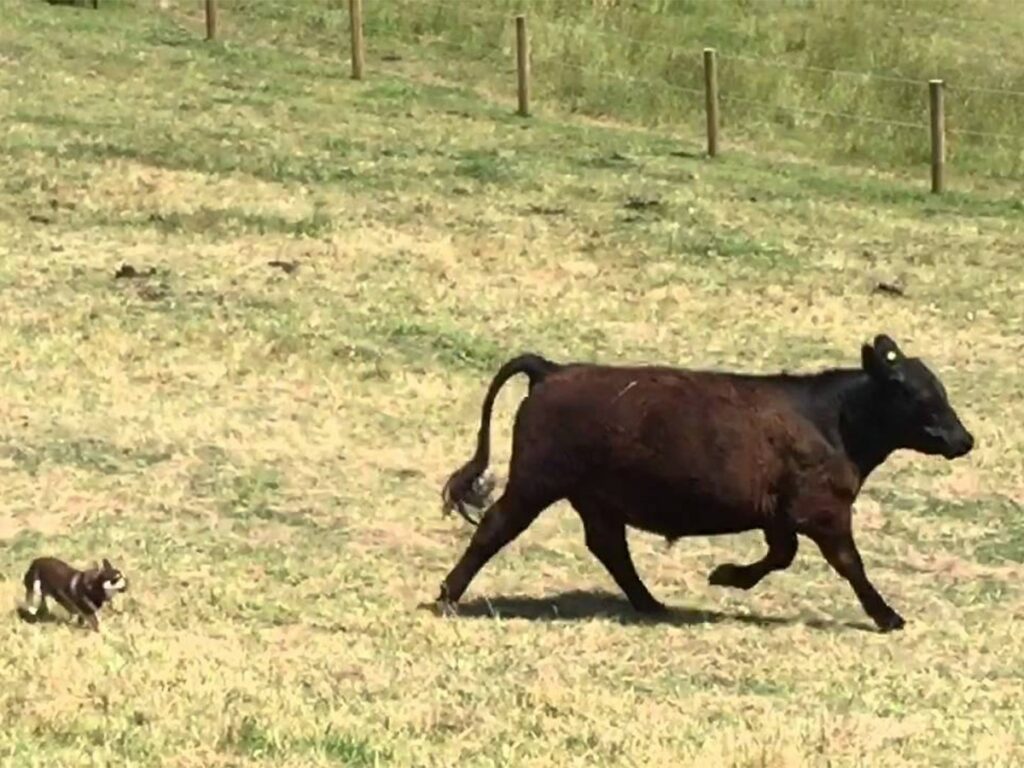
(467, 486)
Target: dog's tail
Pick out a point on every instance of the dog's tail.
(467, 486)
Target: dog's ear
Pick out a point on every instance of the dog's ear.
(106, 565)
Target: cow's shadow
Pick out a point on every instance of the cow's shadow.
(576, 605)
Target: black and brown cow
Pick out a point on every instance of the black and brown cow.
(680, 452)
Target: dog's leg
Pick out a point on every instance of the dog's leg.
(34, 600)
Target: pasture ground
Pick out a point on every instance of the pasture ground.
(260, 446)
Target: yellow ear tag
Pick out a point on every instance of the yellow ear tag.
(890, 356)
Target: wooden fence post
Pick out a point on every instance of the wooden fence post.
(523, 66)
(711, 99)
(938, 136)
(211, 19)
(355, 16)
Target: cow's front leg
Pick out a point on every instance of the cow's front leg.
(841, 553)
(782, 546)
(824, 513)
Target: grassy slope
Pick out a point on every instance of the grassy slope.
(261, 452)
(789, 69)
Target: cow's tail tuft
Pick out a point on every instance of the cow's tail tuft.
(469, 486)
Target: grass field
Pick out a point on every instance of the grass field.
(260, 447)
(838, 79)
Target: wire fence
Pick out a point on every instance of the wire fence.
(925, 22)
(864, 75)
(556, 59)
(621, 39)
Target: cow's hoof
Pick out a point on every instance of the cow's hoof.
(445, 605)
(729, 575)
(891, 623)
(650, 607)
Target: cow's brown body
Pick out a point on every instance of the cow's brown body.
(674, 453)
(683, 453)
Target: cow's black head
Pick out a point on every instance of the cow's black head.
(914, 408)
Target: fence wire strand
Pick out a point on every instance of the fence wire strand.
(985, 134)
(865, 75)
(822, 113)
(979, 89)
(631, 79)
(914, 13)
(963, 20)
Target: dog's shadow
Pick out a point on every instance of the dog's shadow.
(45, 617)
(40, 617)
(579, 605)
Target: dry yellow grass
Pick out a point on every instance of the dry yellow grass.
(261, 451)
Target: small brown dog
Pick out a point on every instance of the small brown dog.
(82, 593)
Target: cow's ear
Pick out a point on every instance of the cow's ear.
(887, 349)
(883, 359)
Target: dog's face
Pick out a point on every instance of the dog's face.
(112, 580)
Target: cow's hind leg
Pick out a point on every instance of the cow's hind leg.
(782, 546)
(505, 519)
(605, 535)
